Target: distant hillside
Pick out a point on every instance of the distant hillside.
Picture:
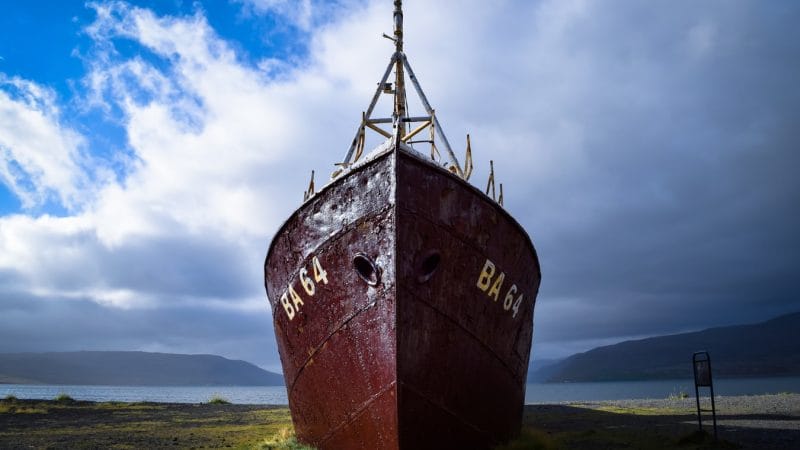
(542, 369)
(131, 369)
(770, 348)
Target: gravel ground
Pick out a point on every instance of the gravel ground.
(751, 421)
(780, 404)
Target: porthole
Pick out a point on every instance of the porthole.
(428, 266)
(366, 269)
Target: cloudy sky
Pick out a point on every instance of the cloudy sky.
(149, 151)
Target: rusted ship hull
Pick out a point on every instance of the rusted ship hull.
(403, 303)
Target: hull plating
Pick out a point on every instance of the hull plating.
(402, 300)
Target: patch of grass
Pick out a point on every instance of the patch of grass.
(21, 409)
(138, 406)
(677, 395)
(529, 439)
(142, 425)
(12, 405)
(284, 439)
(634, 411)
(148, 405)
(643, 411)
(704, 439)
(695, 437)
(64, 399)
(218, 400)
(114, 404)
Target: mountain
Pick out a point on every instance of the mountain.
(541, 370)
(131, 369)
(770, 348)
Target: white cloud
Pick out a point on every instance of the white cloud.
(39, 158)
(218, 155)
(38, 246)
(204, 136)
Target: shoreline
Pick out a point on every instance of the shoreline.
(750, 421)
(535, 393)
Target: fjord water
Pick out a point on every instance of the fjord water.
(535, 392)
(620, 390)
(259, 395)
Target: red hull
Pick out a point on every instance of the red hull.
(428, 351)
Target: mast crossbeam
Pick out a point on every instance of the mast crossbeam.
(400, 117)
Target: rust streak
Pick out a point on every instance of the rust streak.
(358, 411)
(322, 343)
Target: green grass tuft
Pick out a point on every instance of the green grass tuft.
(284, 439)
(704, 439)
(15, 408)
(218, 400)
(64, 398)
(12, 405)
(677, 395)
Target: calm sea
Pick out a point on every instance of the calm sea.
(276, 395)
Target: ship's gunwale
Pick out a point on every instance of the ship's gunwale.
(379, 157)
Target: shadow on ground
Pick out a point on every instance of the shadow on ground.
(564, 426)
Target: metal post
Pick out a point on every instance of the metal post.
(372, 104)
(701, 365)
(697, 394)
(399, 84)
(429, 110)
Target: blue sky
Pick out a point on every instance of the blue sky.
(59, 50)
(149, 150)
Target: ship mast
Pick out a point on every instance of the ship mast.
(400, 88)
(400, 118)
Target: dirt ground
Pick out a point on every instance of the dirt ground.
(757, 422)
(748, 422)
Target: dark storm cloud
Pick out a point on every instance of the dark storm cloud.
(684, 212)
(30, 323)
(181, 266)
(177, 266)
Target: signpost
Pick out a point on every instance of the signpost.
(701, 363)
